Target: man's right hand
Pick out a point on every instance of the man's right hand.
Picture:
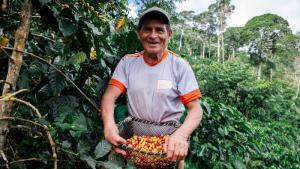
(111, 134)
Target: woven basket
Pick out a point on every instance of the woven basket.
(142, 159)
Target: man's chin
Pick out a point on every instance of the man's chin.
(152, 51)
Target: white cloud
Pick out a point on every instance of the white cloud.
(246, 9)
(194, 5)
(132, 9)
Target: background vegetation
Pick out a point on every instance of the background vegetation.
(249, 77)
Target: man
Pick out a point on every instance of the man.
(158, 85)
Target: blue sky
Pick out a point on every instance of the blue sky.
(246, 9)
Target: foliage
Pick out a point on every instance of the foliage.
(222, 140)
(270, 41)
(235, 84)
(79, 39)
(247, 123)
(226, 139)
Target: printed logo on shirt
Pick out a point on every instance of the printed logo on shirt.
(164, 84)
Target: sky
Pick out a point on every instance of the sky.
(246, 9)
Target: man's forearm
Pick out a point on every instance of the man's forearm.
(108, 105)
(191, 121)
(107, 112)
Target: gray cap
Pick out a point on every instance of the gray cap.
(155, 13)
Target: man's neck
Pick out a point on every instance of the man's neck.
(153, 58)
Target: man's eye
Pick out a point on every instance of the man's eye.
(147, 30)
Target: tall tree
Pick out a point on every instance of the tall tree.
(15, 63)
(232, 37)
(206, 22)
(272, 36)
(221, 9)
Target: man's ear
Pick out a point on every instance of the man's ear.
(137, 34)
(170, 33)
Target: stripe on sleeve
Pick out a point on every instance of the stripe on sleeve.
(118, 84)
(186, 98)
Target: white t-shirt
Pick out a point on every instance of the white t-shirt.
(156, 92)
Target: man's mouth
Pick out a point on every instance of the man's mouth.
(152, 43)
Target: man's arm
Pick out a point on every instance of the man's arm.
(177, 147)
(111, 132)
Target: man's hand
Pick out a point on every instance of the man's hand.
(111, 132)
(112, 136)
(176, 146)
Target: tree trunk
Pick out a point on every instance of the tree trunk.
(219, 46)
(209, 47)
(15, 63)
(4, 6)
(180, 41)
(222, 31)
(222, 44)
(203, 50)
(297, 80)
(259, 71)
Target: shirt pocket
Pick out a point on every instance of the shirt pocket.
(164, 87)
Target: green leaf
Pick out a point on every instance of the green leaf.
(121, 112)
(90, 161)
(229, 166)
(118, 159)
(43, 2)
(78, 58)
(238, 164)
(94, 29)
(200, 153)
(66, 144)
(130, 165)
(56, 81)
(102, 148)
(109, 165)
(42, 121)
(23, 81)
(67, 26)
(221, 132)
(83, 148)
(20, 165)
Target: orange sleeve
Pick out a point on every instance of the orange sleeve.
(118, 84)
(186, 98)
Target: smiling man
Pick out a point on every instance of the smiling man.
(158, 84)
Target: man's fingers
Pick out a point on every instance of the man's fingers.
(117, 140)
(119, 151)
(165, 147)
(120, 140)
(170, 149)
(176, 152)
(181, 153)
(186, 150)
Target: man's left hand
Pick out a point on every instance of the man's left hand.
(176, 146)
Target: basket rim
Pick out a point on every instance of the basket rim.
(124, 146)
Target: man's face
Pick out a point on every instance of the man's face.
(154, 36)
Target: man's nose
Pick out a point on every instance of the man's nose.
(153, 34)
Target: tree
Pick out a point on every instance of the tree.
(206, 22)
(185, 18)
(232, 37)
(266, 32)
(71, 49)
(168, 5)
(221, 10)
(15, 63)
